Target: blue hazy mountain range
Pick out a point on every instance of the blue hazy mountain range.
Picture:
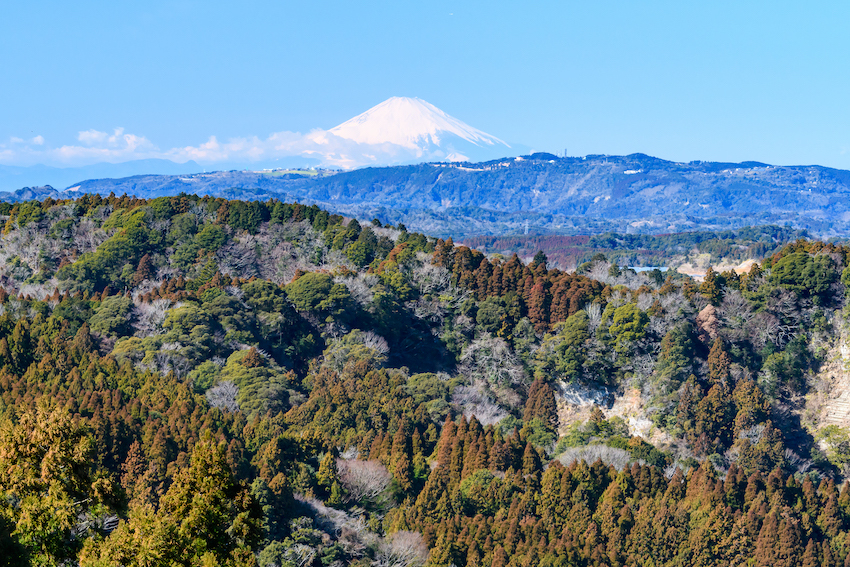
(14, 177)
(546, 193)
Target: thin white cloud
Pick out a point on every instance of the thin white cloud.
(100, 146)
(94, 146)
(329, 149)
(93, 137)
(236, 149)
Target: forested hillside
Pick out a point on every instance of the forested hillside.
(672, 250)
(196, 381)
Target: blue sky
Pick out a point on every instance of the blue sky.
(723, 81)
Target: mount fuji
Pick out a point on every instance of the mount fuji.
(404, 130)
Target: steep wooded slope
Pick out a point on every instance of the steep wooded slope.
(193, 380)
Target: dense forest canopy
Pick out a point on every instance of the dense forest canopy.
(196, 381)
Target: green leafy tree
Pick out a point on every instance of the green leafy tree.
(837, 441)
(308, 291)
(338, 304)
(94, 271)
(710, 287)
(628, 325)
(810, 276)
(30, 212)
(491, 315)
(565, 351)
(362, 251)
(112, 316)
(540, 259)
(190, 325)
(210, 238)
(327, 474)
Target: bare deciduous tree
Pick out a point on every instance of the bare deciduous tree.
(353, 534)
(599, 271)
(645, 301)
(391, 233)
(333, 259)
(669, 316)
(349, 453)
(300, 555)
(594, 315)
(474, 400)
(797, 462)
(402, 549)
(766, 328)
(734, 310)
(148, 317)
(356, 343)
(784, 303)
(167, 359)
(365, 481)
(223, 396)
(431, 279)
(644, 366)
(618, 458)
(87, 236)
(427, 309)
(239, 257)
(375, 342)
(38, 291)
(492, 359)
(752, 434)
(360, 287)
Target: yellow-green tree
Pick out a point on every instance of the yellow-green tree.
(207, 517)
(48, 485)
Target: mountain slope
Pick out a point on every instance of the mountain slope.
(635, 193)
(410, 122)
(404, 130)
(263, 383)
(13, 177)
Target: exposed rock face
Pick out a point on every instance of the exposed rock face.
(707, 323)
(832, 398)
(575, 401)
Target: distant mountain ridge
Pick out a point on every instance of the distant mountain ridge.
(635, 193)
(12, 177)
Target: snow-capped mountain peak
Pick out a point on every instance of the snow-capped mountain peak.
(411, 123)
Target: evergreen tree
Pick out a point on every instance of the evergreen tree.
(710, 288)
(48, 482)
(718, 363)
(540, 259)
